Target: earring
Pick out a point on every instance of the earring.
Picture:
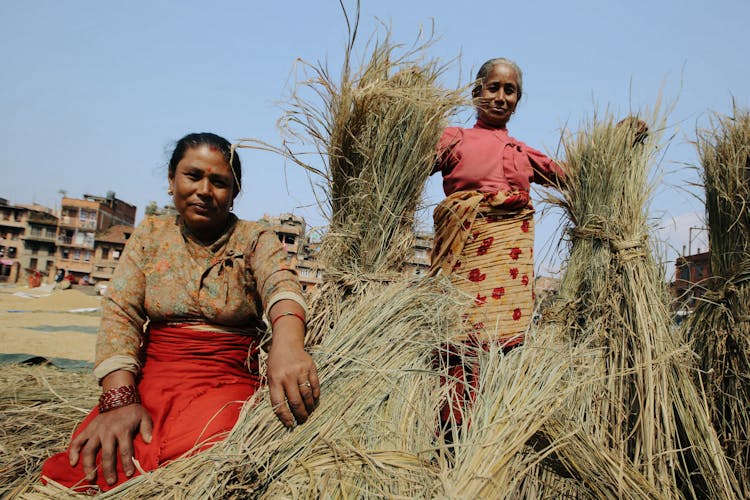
(170, 192)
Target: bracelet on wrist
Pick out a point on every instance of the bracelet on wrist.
(118, 397)
(288, 313)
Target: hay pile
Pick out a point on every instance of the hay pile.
(642, 408)
(720, 324)
(40, 407)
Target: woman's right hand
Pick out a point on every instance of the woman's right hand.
(113, 432)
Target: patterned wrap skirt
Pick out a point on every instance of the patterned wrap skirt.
(194, 383)
(488, 252)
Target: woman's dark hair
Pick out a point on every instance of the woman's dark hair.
(485, 69)
(213, 141)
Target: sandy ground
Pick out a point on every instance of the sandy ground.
(47, 322)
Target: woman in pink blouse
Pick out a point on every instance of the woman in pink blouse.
(484, 229)
(177, 348)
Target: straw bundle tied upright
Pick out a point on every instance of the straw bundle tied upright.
(720, 325)
(376, 132)
(644, 408)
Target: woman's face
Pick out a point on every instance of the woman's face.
(498, 96)
(203, 187)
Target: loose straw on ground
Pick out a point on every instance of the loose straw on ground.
(40, 407)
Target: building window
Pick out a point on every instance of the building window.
(50, 233)
(2, 251)
(87, 256)
(32, 264)
(76, 254)
(12, 252)
(116, 254)
(105, 253)
(685, 273)
(65, 252)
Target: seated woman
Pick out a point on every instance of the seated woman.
(177, 348)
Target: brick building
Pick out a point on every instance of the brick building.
(691, 271)
(80, 220)
(27, 241)
(108, 247)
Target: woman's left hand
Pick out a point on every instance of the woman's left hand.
(292, 376)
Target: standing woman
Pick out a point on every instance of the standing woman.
(177, 348)
(484, 229)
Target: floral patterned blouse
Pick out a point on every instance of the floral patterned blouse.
(165, 275)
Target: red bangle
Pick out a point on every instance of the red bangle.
(117, 398)
(288, 313)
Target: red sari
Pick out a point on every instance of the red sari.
(193, 384)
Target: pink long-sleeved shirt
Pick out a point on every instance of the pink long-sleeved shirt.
(491, 161)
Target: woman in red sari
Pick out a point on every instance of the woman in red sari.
(177, 348)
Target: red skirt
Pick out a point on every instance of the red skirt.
(193, 384)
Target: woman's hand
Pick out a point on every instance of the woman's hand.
(113, 432)
(292, 376)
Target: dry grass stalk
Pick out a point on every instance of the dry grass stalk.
(646, 409)
(40, 407)
(720, 325)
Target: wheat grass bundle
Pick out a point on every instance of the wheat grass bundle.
(720, 325)
(645, 409)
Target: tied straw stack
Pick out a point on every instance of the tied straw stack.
(720, 324)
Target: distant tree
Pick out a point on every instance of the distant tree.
(152, 208)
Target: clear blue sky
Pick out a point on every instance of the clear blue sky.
(93, 94)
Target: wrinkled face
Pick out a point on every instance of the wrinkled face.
(498, 96)
(203, 187)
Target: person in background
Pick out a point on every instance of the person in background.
(182, 320)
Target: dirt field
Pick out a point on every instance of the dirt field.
(47, 322)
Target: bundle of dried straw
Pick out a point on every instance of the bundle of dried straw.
(643, 407)
(720, 325)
